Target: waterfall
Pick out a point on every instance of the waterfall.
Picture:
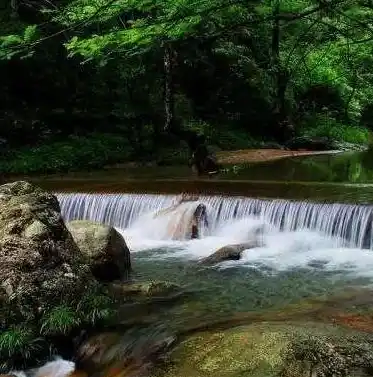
(351, 223)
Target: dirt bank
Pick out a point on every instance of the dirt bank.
(262, 155)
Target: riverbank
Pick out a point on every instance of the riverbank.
(105, 151)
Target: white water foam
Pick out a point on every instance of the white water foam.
(56, 368)
(295, 234)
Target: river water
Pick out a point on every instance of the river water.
(316, 241)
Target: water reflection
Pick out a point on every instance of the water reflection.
(351, 167)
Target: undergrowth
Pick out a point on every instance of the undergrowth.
(27, 343)
(73, 154)
(323, 126)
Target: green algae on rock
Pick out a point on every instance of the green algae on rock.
(147, 289)
(269, 349)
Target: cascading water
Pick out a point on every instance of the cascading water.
(295, 234)
(351, 225)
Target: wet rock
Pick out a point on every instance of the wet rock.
(184, 219)
(147, 289)
(131, 354)
(39, 260)
(268, 349)
(104, 247)
(78, 373)
(229, 252)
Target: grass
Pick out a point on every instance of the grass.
(24, 343)
(18, 345)
(60, 320)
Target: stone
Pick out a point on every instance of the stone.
(39, 260)
(272, 349)
(147, 289)
(229, 252)
(104, 247)
(185, 218)
(129, 354)
(310, 143)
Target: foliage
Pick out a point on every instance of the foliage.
(237, 71)
(61, 319)
(18, 345)
(95, 308)
(321, 125)
(25, 343)
(76, 153)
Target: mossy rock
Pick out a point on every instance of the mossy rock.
(147, 289)
(269, 349)
(104, 249)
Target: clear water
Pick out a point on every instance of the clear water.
(310, 249)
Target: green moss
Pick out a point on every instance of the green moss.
(269, 349)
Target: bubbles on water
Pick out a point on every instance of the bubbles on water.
(56, 368)
(294, 234)
(281, 250)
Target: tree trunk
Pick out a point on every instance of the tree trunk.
(168, 88)
(281, 79)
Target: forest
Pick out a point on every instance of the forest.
(86, 83)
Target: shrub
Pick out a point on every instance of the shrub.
(323, 126)
(75, 153)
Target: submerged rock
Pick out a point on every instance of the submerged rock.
(268, 349)
(229, 252)
(39, 260)
(147, 289)
(104, 247)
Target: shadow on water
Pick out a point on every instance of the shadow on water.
(348, 167)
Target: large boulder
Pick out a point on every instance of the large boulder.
(39, 260)
(104, 247)
(184, 219)
(270, 349)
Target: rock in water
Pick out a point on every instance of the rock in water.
(105, 249)
(273, 350)
(147, 289)
(229, 252)
(39, 260)
(130, 354)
